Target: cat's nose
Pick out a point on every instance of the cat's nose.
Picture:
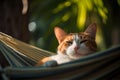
(76, 48)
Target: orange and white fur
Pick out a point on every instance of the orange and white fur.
(74, 45)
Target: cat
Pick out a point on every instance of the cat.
(73, 46)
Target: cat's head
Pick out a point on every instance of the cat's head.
(76, 45)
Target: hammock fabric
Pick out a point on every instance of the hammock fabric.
(21, 58)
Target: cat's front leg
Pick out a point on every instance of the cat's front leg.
(47, 62)
(44, 60)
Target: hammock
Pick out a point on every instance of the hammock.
(21, 58)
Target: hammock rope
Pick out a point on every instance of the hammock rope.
(13, 58)
(24, 49)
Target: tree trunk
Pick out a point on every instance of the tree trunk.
(12, 21)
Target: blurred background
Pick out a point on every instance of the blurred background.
(33, 21)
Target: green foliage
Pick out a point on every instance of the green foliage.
(71, 15)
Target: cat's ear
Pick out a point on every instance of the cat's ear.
(60, 34)
(91, 30)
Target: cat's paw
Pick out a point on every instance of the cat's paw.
(51, 63)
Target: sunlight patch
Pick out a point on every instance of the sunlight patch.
(32, 26)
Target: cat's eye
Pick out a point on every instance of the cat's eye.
(83, 41)
(69, 42)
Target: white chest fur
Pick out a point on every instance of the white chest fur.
(60, 58)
